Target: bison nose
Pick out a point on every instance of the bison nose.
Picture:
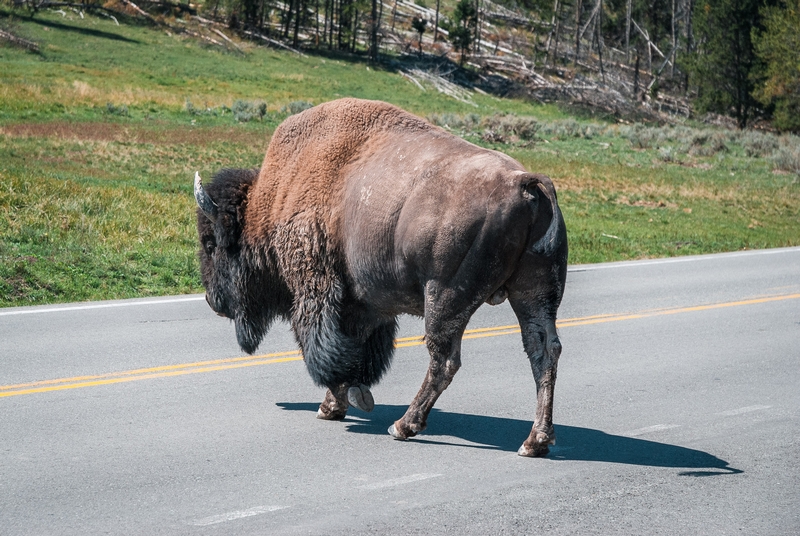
(212, 307)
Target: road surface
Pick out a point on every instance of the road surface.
(677, 412)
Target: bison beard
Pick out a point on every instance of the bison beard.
(361, 212)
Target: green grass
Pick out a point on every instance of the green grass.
(98, 148)
(87, 63)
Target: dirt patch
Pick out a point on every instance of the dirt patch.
(157, 135)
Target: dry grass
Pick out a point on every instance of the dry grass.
(159, 134)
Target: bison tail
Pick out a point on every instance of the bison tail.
(549, 223)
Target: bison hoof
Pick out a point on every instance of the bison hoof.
(327, 414)
(538, 447)
(403, 432)
(359, 396)
(395, 434)
(537, 451)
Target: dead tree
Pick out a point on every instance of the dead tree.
(578, 9)
(628, 32)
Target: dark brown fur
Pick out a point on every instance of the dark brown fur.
(361, 212)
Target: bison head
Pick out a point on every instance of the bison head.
(226, 267)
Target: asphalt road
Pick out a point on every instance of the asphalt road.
(677, 412)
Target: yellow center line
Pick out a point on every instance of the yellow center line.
(295, 355)
(168, 374)
(151, 370)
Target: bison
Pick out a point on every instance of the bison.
(361, 212)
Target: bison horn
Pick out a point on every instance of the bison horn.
(204, 201)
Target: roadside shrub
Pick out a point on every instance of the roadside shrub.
(699, 139)
(472, 122)
(121, 110)
(668, 154)
(718, 142)
(295, 107)
(567, 128)
(492, 122)
(244, 111)
(758, 144)
(524, 127)
(642, 137)
(493, 136)
(190, 108)
(680, 134)
(447, 120)
(708, 143)
(787, 157)
(591, 130)
(469, 123)
(511, 125)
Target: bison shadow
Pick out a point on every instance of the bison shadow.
(499, 433)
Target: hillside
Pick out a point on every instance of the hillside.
(102, 129)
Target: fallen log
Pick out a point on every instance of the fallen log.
(18, 41)
(272, 41)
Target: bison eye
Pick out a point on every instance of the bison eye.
(209, 247)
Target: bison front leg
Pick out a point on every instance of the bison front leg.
(543, 348)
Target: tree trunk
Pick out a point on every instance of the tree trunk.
(373, 49)
(553, 30)
(300, 9)
(674, 41)
(578, 12)
(288, 22)
(337, 10)
(477, 47)
(316, 19)
(558, 28)
(354, 41)
(436, 23)
(628, 32)
(598, 38)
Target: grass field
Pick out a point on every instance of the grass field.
(101, 133)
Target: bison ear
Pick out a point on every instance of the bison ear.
(232, 212)
(241, 201)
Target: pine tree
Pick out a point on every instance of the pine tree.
(466, 20)
(778, 48)
(724, 58)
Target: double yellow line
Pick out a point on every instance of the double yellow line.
(295, 355)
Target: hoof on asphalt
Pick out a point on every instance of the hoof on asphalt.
(539, 451)
(359, 396)
(393, 432)
(331, 415)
